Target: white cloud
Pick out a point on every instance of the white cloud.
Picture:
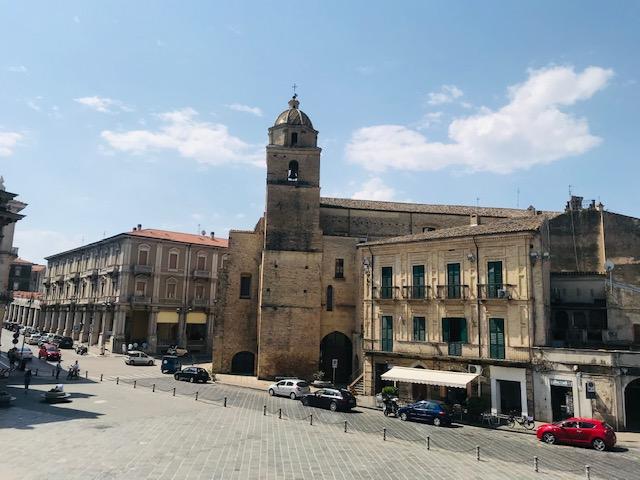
(529, 130)
(375, 189)
(17, 69)
(8, 141)
(207, 143)
(103, 104)
(34, 245)
(428, 120)
(447, 94)
(238, 107)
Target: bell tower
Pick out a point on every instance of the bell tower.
(290, 274)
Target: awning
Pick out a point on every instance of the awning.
(429, 377)
(197, 317)
(167, 317)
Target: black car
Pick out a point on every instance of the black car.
(170, 364)
(65, 342)
(330, 398)
(432, 411)
(193, 375)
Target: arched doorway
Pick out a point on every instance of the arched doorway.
(243, 363)
(337, 346)
(632, 405)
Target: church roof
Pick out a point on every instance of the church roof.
(510, 225)
(293, 116)
(425, 208)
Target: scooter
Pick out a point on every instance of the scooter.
(81, 349)
(390, 407)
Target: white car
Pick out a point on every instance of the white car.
(290, 387)
(24, 353)
(34, 339)
(135, 357)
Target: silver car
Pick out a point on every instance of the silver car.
(135, 357)
(290, 387)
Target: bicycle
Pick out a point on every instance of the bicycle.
(525, 422)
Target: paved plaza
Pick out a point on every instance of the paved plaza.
(114, 430)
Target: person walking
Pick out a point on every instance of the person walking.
(27, 380)
(124, 348)
(58, 369)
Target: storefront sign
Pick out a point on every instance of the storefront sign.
(590, 390)
(556, 382)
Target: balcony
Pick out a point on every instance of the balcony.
(140, 300)
(453, 292)
(59, 279)
(112, 270)
(416, 292)
(72, 277)
(455, 349)
(204, 274)
(200, 302)
(386, 293)
(92, 272)
(496, 291)
(142, 269)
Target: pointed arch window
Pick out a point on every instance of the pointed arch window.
(292, 175)
(329, 298)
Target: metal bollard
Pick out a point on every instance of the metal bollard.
(478, 452)
(279, 413)
(36, 372)
(117, 380)
(587, 472)
(345, 426)
(264, 410)
(225, 400)
(153, 387)
(311, 419)
(101, 377)
(428, 442)
(174, 391)
(196, 396)
(384, 434)
(53, 374)
(86, 374)
(134, 383)
(535, 464)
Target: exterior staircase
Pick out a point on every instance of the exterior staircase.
(357, 386)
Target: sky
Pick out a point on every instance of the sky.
(119, 113)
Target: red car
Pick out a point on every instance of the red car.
(48, 351)
(578, 431)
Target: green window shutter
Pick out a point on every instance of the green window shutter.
(463, 330)
(445, 330)
(496, 338)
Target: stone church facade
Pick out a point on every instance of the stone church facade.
(290, 288)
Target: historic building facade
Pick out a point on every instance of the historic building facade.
(144, 286)
(10, 209)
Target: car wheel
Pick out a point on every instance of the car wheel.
(404, 417)
(549, 438)
(191, 380)
(333, 406)
(598, 444)
(271, 392)
(305, 401)
(292, 396)
(437, 422)
(176, 376)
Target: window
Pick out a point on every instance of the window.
(294, 138)
(496, 338)
(173, 260)
(453, 280)
(199, 292)
(339, 268)
(419, 329)
(245, 286)
(387, 333)
(494, 279)
(386, 290)
(418, 289)
(171, 289)
(143, 256)
(586, 425)
(201, 263)
(292, 174)
(17, 270)
(141, 288)
(454, 332)
(329, 298)
(102, 286)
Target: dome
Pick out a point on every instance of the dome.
(293, 116)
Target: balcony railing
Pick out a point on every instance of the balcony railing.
(92, 272)
(200, 302)
(386, 293)
(416, 292)
(201, 274)
(142, 269)
(453, 292)
(455, 349)
(140, 300)
(497, 291)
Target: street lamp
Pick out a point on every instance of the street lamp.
(108, 305)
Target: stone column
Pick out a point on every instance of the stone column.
(84, 331)
(152, 331)
(21, 315)
(68, 323)
(94, 325)
(47, 319)
(31, 316)
(209, 337)
(117, 333)
(182, 330)
(55, 319)
(39, 318)
(77, 320)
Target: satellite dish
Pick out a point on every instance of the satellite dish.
(609, 265)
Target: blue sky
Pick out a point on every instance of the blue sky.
(124, 112)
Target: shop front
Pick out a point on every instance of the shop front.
(196, 332)
(167, 330)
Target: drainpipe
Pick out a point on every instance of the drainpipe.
(478, 297)
(372, 316)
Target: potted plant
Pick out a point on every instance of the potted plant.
(318, 379)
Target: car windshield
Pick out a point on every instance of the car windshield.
(52, 348)
(303, 384)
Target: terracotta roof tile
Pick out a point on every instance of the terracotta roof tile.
(22, 261)
(180, 237)
(23, 294)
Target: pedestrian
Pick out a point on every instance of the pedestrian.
(124, 348)
(58, 369)
(27, 379)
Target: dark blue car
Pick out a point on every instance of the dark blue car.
(431, 411)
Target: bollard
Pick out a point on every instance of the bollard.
(86, 374)
(535, 464)
(587, 472)
(53, 374)
(225, 400)
(101, 377)
(428, 442)
(311, 419)
(384, 434)
(279, 413)
(117, 380)
(134, 383)
(345, 426)
(36, 372)
(153, 387)
(478, 452)
(264, 410)
(196, 396)
(174, 391)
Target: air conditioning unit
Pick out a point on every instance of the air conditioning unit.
(477, 369)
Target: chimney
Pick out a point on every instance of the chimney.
(574, 204)
(139, 226)
(474, 220)
(134, 229)
(203, 232)
(213, 236)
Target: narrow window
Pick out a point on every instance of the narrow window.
(143, 256)
(329, 298)
(294, 139)
(173, 260)
(387, 333)
(454, 332)
(386, 290)
(339, 268)
(418, 289)
(199, 292)
(141, 288)
(419, 329)
(245, 286)
(494, 279)
(202, 263)
(453, 280)
(171, 289)
(292, 175)
(496, 338)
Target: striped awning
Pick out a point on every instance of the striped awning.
(429, 377)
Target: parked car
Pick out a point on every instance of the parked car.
(578, 431)
(432, 411)
(193, 374)
(45, 338)
(23, 353)
(34, 338)
(55, 339)
(170, 364)
(65, 342)
(330, 398)
(135, 357)
(290, 387)
(49, 351)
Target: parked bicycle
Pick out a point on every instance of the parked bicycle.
(525, 422)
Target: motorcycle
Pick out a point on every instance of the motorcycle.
(82, 349)
(390, 407)
(74, 373)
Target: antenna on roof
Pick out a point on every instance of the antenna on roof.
(198, 228)
(518, 197)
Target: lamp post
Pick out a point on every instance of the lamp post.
(108, 305)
